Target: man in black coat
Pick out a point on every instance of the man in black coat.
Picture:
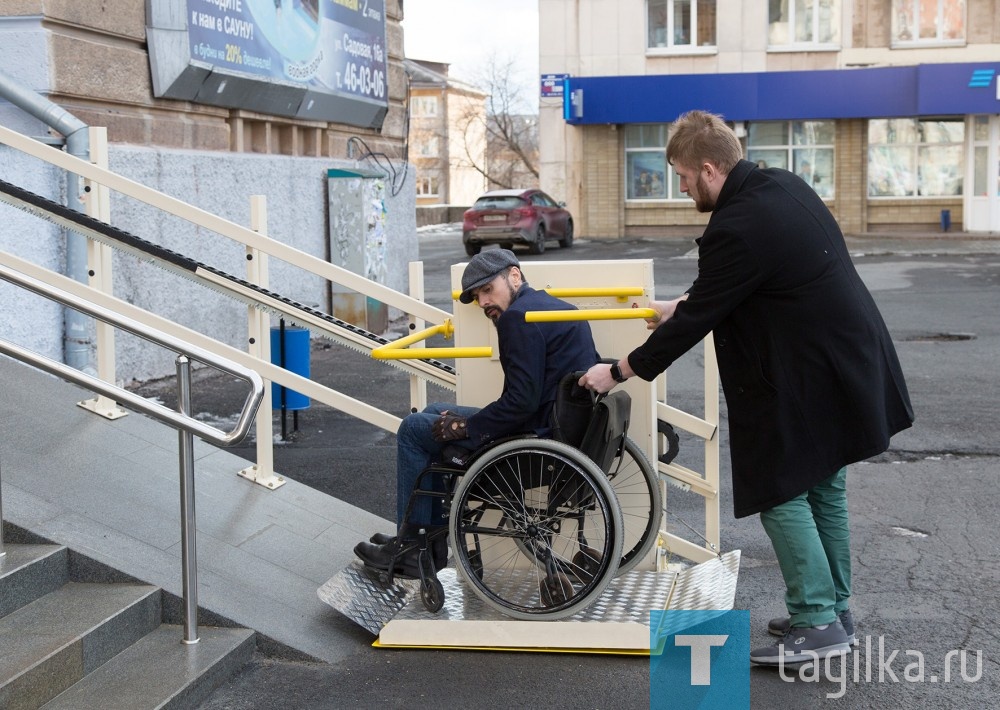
(810, 375)
(534, 358)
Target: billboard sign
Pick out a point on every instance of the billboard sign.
(314, 59)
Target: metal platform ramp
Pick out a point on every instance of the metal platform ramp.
(617, 623)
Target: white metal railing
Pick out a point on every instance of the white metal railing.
(187, 427)
(98, 180)
(258, 247)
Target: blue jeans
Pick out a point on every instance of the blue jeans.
(415, 450)
(812, 541)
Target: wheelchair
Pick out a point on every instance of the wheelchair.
(538, 528)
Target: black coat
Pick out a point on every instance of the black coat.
(534, 358)
(810, 374)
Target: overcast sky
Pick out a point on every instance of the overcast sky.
(464, 33)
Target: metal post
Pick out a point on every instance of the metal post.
(284, 390)
(2, 551)
(189, 546)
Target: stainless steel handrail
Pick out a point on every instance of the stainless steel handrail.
(181, 420)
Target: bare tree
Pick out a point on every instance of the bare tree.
(511, 129)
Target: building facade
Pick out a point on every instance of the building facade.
(447, 136)
(889, 108)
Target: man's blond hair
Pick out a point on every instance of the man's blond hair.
(697, 137)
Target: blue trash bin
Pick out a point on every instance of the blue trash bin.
(945, 220)
(294, 358)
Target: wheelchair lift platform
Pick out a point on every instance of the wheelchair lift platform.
(618, 622)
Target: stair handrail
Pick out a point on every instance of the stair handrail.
(181, 419)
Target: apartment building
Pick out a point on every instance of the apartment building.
(446, 135)
(888, 107)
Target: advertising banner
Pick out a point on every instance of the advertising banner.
(325, 44)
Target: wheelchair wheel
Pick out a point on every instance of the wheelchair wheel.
(637, 488)
(546, 499)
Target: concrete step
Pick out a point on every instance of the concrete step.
(159, 671)
(28, 572)
(53, 642)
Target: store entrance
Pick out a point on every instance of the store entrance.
(982, 202)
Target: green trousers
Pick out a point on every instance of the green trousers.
(812, 542)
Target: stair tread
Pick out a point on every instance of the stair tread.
(39, 629)
(156, 669)
(20, 556)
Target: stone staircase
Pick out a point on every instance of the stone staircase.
(68, 642)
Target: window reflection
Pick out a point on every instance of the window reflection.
(915, 157)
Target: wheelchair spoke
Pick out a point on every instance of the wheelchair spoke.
(518, 531)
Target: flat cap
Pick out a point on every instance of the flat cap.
(483, 268)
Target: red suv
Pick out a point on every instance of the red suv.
(509, 217)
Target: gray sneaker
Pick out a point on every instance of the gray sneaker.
(780, 626)
(802, 645)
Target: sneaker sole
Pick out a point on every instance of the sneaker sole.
(851, 639)
(838, 649)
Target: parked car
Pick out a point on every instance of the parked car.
(509, 217)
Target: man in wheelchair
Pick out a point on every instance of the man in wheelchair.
(534, 358)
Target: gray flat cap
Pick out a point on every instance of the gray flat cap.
(483, 268)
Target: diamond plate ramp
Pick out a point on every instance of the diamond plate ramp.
(618, 622)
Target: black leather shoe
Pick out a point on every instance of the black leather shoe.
(380, 556)
(381, 538)
(374, 555)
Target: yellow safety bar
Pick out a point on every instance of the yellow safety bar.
(598, 314)
(399, 350)
(620, 292)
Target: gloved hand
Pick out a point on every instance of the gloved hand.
(448, 427)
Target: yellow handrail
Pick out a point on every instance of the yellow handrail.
(598, 314)
(619, 292)
(399, 350)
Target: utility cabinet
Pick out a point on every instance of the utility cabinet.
(357, 242)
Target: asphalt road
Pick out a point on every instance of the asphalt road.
(924, 514)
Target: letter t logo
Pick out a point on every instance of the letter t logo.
(701, 654)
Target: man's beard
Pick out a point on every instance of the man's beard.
(703, 203)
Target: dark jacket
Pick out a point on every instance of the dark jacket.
(534, 357)
(811, 378)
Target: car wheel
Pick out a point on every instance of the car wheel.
(567, 240)
(538, 246)
(472, 249)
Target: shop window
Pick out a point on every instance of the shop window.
(804, 147)
(680, 24)
(423, 106)
(910, 157)
(928, 22)
(647, 175)
(427, 186)
(803, 24)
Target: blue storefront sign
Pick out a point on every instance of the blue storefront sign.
(884, 92)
